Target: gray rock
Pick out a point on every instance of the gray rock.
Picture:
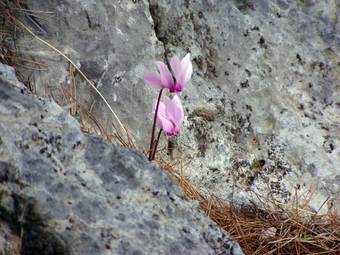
(268, 69)
(112, 42)
(271, 68)
(62, 192)
(8, 73)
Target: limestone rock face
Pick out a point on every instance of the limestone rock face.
(112, 42)
(271, 72)
(262, 109)
(62, 192)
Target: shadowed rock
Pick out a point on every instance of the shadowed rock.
(62, 192)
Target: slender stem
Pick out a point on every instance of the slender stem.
(156, 144)
(154, 125)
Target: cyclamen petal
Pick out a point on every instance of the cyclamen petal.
(153, 80)
(170, 115)
(160, 80)
(174, 110)
(161, 119)
(183, 72)
(187, 69)
(165, 124)
(175, 64)
(165, 75)
(185, 62)
(161, 107)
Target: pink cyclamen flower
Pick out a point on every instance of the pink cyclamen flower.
(182, 71)
(170, 115)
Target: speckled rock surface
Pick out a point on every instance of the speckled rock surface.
(7, 73)
(262, 107)
(268, 77)
(112, 42)
(65, 193)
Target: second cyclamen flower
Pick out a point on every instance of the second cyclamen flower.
(182, 71)
(170, 115)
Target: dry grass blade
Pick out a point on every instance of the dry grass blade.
(89, 122)
(121, 131)
(84, 76)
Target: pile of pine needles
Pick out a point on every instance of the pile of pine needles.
(269, 228)
(259, 230)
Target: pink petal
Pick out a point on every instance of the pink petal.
(162, 121)
(187, 74)
(165, 124)
(174, 110)
(185, 62)
(185, 70)
(165, 75)
(175, 65)
(170, 115)
(161, 107)
(153, 80)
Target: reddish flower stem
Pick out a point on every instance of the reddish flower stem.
(154, 126)
(156, 144)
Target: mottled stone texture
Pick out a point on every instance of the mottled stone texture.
(62, 192)
(262, 109)
(112, 42)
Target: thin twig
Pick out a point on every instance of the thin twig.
(154, 125)
(79, 71)
(156, 144)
